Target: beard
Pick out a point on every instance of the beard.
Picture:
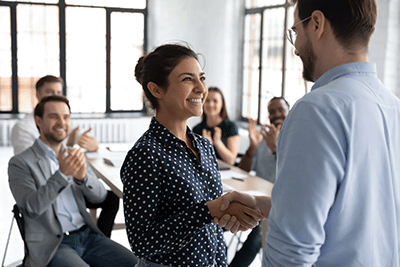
(53, 139)
(308, 58)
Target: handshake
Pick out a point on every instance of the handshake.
(237, 211)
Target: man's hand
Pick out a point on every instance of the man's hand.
(271, 136)
(73, 164)
(254, 136)
(262, 203)
(246, 217)
(72, 137)
(88, 142)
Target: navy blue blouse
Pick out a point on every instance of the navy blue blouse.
(166, 188)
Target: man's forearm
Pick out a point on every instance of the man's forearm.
(247, 160)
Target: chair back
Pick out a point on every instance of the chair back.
(20, 222)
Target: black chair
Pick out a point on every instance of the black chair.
(20, 222)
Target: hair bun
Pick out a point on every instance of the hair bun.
(139, 71)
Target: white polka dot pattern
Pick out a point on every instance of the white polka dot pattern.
(166, 188)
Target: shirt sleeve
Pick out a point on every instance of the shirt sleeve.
(22, 137)
(310, 166)
(149, 234)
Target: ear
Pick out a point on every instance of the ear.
(37, 95)
(155, 90)
(319, 23)
(38, 121)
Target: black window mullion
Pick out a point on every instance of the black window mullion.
(14, 66)
(108, 61)
(260, 67)
(284, 50)
(61, 10)
(145, 28)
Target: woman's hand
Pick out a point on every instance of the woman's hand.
(247, 217)
(207, 134)
(261, 203)
(217, 135)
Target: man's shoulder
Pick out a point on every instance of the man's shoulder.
(26, 156)
(26, 124)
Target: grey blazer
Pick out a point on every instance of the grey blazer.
(35, 190)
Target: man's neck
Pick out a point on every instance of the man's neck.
(338, 56)
(54, 146)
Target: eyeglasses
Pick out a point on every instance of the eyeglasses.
(291, 34)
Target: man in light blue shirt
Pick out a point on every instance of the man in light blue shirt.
(336, 200)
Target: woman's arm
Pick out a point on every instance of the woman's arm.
(150, 231)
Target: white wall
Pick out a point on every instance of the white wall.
(385, 44)
(212, 28)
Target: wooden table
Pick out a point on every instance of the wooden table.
(109, 174)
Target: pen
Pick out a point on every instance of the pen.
(239, 179)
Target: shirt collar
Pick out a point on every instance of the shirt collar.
(167, 137)
(361, 68)
(47, 150)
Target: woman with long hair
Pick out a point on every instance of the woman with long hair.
(216, 126)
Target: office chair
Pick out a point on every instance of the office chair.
(20, 222)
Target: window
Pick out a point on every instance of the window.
(5, 60)
(270, 67)
(92, 44)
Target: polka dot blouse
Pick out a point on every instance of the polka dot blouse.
(166, 188)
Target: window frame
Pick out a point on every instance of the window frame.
(260, 10)
(62, 6)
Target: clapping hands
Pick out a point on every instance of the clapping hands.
(85, 141)
(213, 139)
(73, 164)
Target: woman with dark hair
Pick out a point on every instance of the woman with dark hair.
(216, 127)
(170, 176)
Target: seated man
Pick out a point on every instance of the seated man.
(261, 158)
(24, 134)
(49, 184)
(261, 154)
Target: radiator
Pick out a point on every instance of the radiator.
(110, 130)
(114, 130)
(5, 131)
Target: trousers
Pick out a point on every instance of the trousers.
(109, 208)
(86, 248)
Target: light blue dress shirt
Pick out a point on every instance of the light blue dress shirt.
(336, 199)
(67, 209)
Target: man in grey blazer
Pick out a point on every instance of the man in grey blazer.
(49, 184)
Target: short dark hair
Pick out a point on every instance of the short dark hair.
(157, 66)
(39, 109)
(279, 98)
(224, 112)
(352, 21)
(48, 79)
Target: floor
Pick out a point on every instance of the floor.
(15, 250)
